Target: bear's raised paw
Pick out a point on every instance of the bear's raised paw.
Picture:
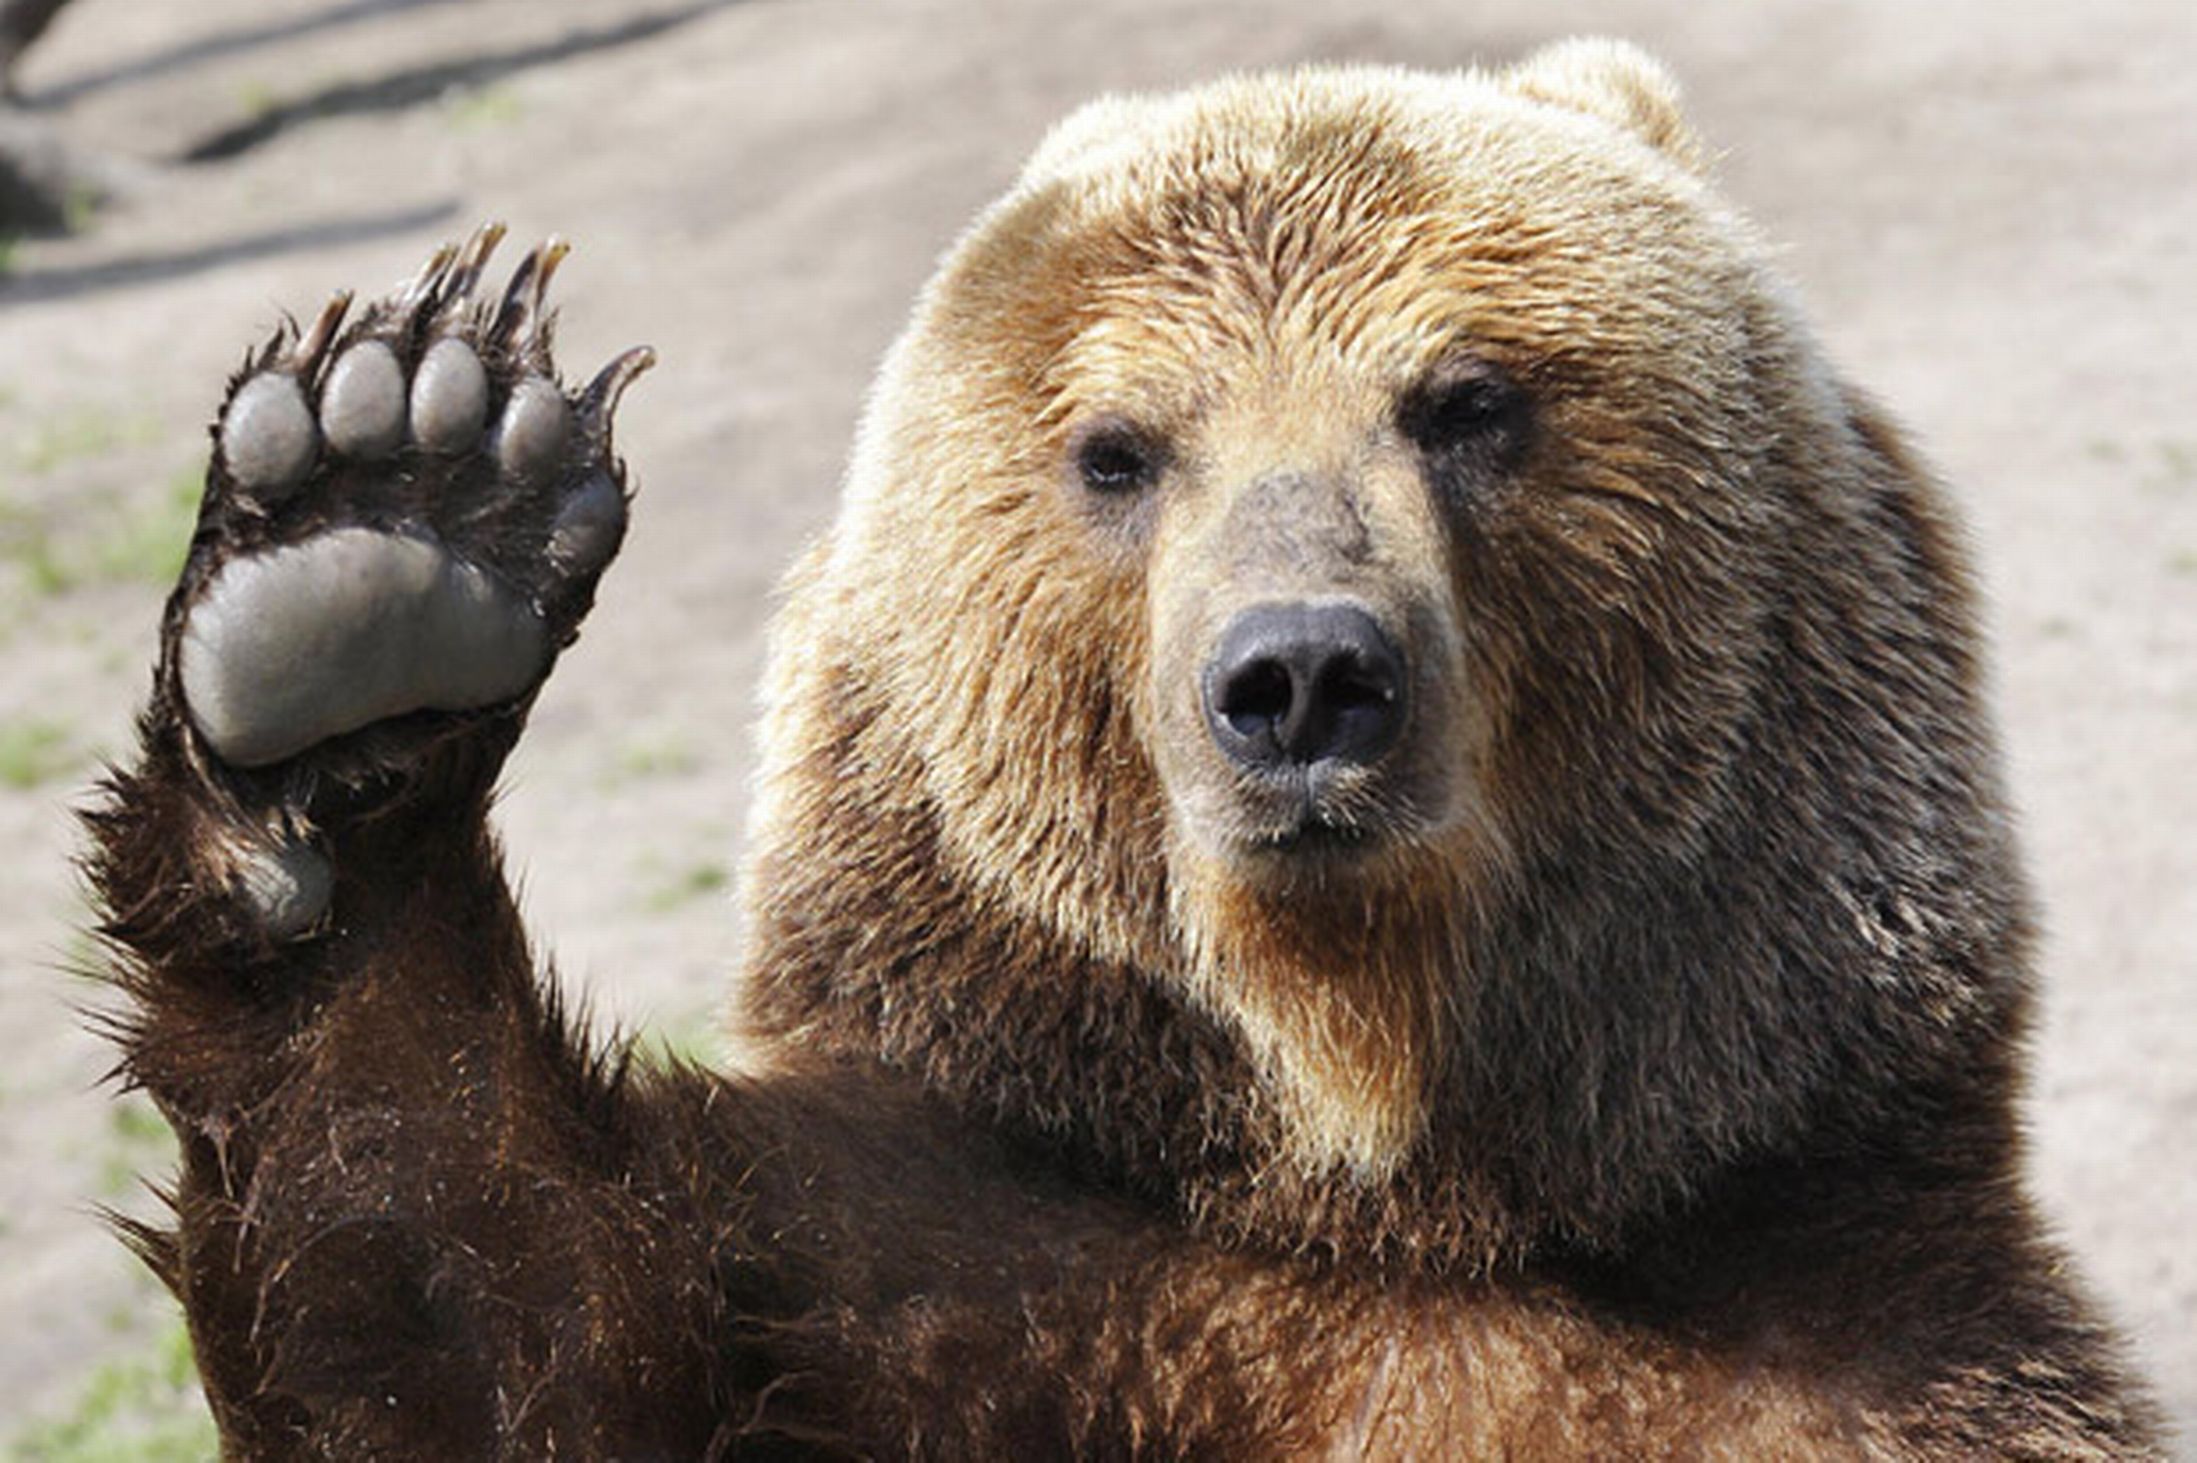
(403, 518)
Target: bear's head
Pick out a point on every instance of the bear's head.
(1372, 683)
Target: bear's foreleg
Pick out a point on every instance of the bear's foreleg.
(416, 1215)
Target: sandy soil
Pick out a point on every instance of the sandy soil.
(1993, 210)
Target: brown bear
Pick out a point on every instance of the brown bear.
(1377, 837)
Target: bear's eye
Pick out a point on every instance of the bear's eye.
(1114, 457)
(1472, 409)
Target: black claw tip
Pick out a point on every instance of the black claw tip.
(521, 308)
(600, 399)
(472, 259)
(314, 345)
(427, 284)
(552, 252)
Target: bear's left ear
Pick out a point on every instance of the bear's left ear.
(1619, 83)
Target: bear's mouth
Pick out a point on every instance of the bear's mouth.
(1315, 838)
(1312, 813)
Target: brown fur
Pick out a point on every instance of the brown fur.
(1639, 1084)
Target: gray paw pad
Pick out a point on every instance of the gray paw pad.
(588, 527)
(286, 885)
(362, 407)
(530, 440)
(314, 639)
(267, 437)
(449, 398)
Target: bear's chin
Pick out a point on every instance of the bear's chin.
(1321, 857)
(1337, 959)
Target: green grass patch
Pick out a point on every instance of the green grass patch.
(685, 885)
(139, 1139)
(78, 206)
(257, 98)
(692, 1039)
(488, 106)
(27, 546)
(141, 542)
(81, 432)
(137, 1121)
(34, 751)
(664, 754)
(2176, 466)
(141, 1407)
(2168, 469)
(148, 545)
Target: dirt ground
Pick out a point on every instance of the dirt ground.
(1992, 210)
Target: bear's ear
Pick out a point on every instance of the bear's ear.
(1616, 82)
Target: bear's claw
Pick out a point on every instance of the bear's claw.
(407, 515)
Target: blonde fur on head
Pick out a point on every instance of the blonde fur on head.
(1619, 83)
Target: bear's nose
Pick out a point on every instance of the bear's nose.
(1295, 684)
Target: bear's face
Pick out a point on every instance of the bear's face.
(1295, 491)
(1328, 545)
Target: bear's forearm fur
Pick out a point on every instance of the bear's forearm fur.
(411, 1200)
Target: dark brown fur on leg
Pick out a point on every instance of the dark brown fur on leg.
(416, 1216)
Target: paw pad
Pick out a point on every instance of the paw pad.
(530, 440)
(405, 516)
(362, 408)
(267, 437)
(449, 398)
(313, 639)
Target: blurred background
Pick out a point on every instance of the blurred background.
(1991, 209)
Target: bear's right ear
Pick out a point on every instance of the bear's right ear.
(1616, 82)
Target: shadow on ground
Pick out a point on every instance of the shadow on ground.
(231, 42)
(66, 283)
(403, 89)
